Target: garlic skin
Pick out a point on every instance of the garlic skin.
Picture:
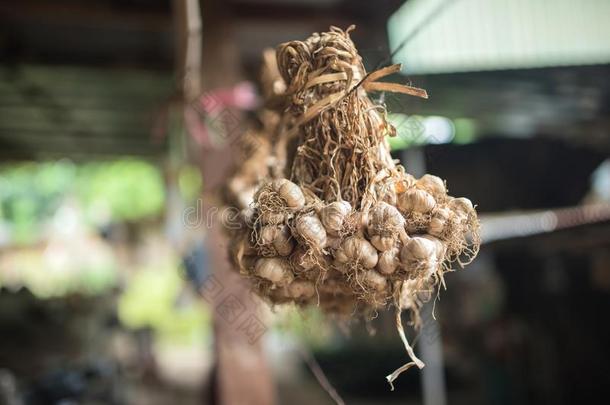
(375, 280)
(383, 243)
(283, 241)
(418, 249)
(416, 200)
(274, 269)
(385, 224)
(461, 206)
(279, 237)
(439, 221)
(333, 216)
(357, 250)
(267, 234)
(301, 289)
(333, 242)
(302, 259)
(439, 247)
(388, 261)
(290, 192)
(423, 254)
(386, 193)
(433, 185)
(248, 215)
(310, 228)
(271, 218)
(384, 216)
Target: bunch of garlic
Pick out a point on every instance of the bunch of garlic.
(300, 249)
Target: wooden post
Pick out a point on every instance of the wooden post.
(209, 59)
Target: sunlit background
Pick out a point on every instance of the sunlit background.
(106, 248)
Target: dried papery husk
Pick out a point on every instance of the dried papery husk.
(418, 249)
(433, 185)
(309, 229)
(357, 250)
(341, 306)
(274, 269)
(333, 216)
(388, 261)
(267, 234)
(270, 207)
(301, 289)
(338, 161)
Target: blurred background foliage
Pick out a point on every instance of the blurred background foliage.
(117, 190)
(58, 222)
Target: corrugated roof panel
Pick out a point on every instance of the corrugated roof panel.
(471, 35)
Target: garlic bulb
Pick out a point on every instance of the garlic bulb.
(385, 218)
(388, 261)
(416, 200)
(283, 242)
(418, 249)
(433, 185)
(333, 242)
(271, 218)
(439, 247)
(407, 181)
(333, 215)
(267, 234)
(386, 193)
(310, 228)
(290, 192)
(385, 224)
(248, 215)
(357, 250)
(383, 243)
(274, 269)
(461, 205)
(375, 280)
(302, 259)
(301, 289)
(439, 221)
(277, 236)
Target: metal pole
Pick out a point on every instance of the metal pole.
(430, 346)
